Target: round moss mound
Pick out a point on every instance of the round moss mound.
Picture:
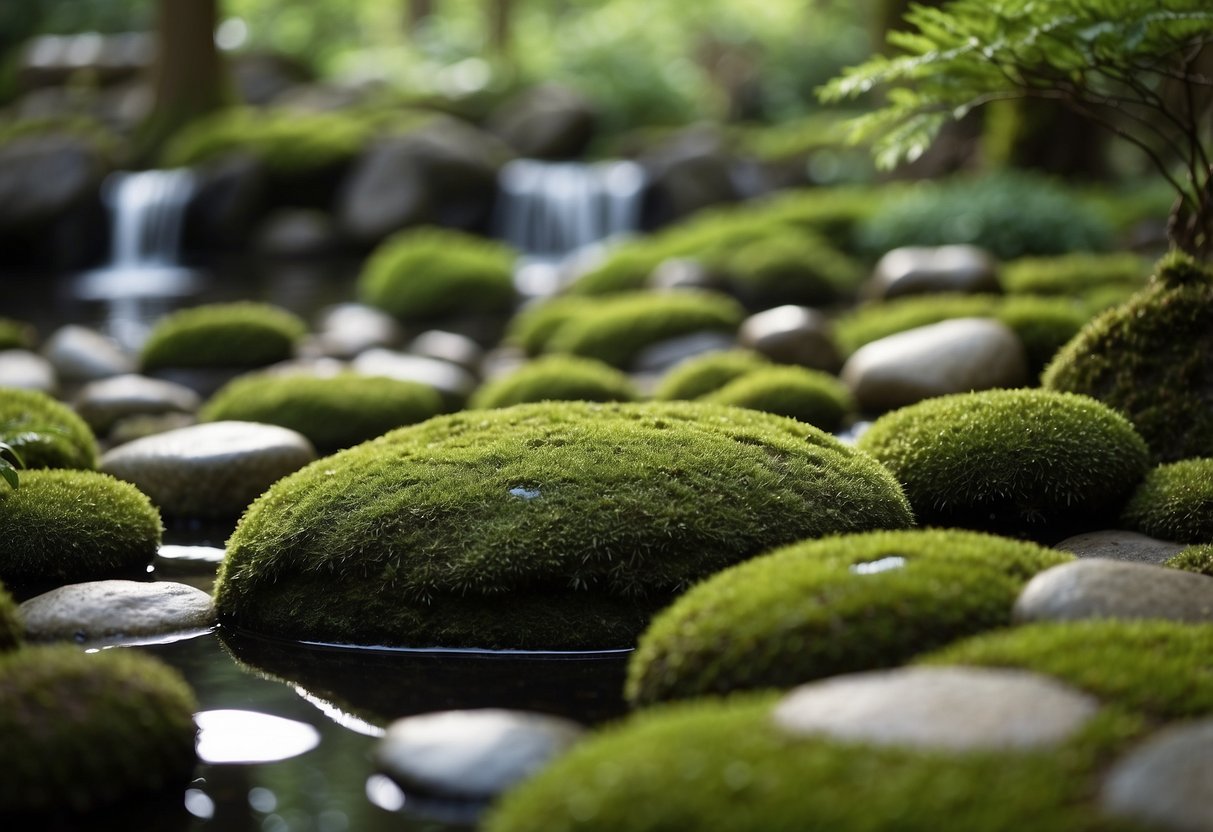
(71, 526)
(234, 335)
(557, 378)
(1044, 325)
(1073, 275)
(725, 766)
(1032, 462)
(83, 730)
(1152, 359)
(534, 325)
(707, 373)
(45, 432)
(15, 335)
(429, 273)
(1194, 559)
(544, 526)
(1174, 502)
(809, 396)
(333, 413)
(838, 605)
(11, 631)
(796, 268)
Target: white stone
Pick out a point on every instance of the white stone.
(1097, 588)
(116, 610)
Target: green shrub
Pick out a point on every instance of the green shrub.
(333, 413)
(1021, 461)
(235, 335)
(45, 432)
(11, 631)
(547, 526)
(1197, 559)
(1174, 502)
(557, 378)
(533, 326)
(809, 396)
(15, 335)
(428, 273)
(791, 268)
(1073, 275)
(72, 526)
(824, 607)
(82, 730)
(1152, 359)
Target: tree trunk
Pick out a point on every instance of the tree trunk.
(1190, 226)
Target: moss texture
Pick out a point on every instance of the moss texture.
(1197, 558)
(1152, 359)
(809, 396)
(83, 730)
(45, 432)
(1174, 502)
(557, 378)
(1026, 462)
(1073, 275)
(71, 526)
(820, 608)
(234, 335)
(707, 373)
(15, 335)
(333, 413)
(534, 325)
(615, 330)
(532, 526)
(428, 273)
(796, 268)
(11, 631)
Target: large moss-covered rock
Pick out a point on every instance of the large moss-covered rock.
(69, 526)
(810, 396)
(332, 412)
(82, 730)
(1175, 502)
(45, 432)
(557, 378)
(1021, 461)
(1152, 359)
(842, 604)
(548, 526)
(235, 335)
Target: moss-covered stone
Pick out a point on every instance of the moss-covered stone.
(84, 730)
(810, 396)
(70, 526)
(15, 335)
(1197, 558)
(10, 622)
(533, 326)
(234, 335)
(1032, 462)
(333, 413)
(838, 605)
(1044, 325)
(546, 526)
(796, 268)
(1073, 275)
(428, 273)
(1174, 502)
(557, 378)
(618, 328)
(45, 432)
(1152, 359)
(707, 373)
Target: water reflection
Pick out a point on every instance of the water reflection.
(233, 736)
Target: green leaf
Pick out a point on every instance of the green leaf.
(9, 473)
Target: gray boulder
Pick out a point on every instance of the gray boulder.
(915, 270)
(547, 122)
(104, 403)
(81, 354)
(1097, 588)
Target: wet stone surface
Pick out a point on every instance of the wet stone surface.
(916, 270)
(792, 335)
(1117, 544)
(104, 403)
(115, 610)
(83, 354)
(1096, 588)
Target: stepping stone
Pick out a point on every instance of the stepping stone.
(1117, 544)
(1166, 782)
(919, 270)
(792, 335)
(26, 370)
(104, 403)
(116, 610)
(82, 354)
(1097, 588)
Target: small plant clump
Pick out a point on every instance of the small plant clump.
(333, 413)
(1174, 502)
(824, 607)
(707, 373)
(1198, 558)
(228, 335)
(557, 378)
(11, 631)
(428, 273)
(45, 433)
(810, 396)
(1027, 462)
(83, 730)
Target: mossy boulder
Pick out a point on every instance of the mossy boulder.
(1024, 462)
(85, 730)
(824, 607)
(707, 373)
(809, 396)
(70, 526)
(428, 273)
(545, 526)
(557, 378)
(1152, 359)
(1197, 559)
(16, 335)
(45, 432)
(230, 335)
(533, 326)
(10, 622)
(1174, 502)
(1074, 275)
(796, 268)
(332, 412)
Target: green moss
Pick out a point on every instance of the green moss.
(232, 335)
(15, 335)
(71, 526)
(83, 730)
(428, 273)
(798, 268)
(1156, 668)
(1073, 275)
(1044, 325)
(1151, 359)
(810, 396)
(813, 610)
(1020, 461)
(706, 373)
(1174, 502)
(333, 413)
(535, 512)
(557, 378)
(1197, 558)
(46, 433)
(11, 631)
(725, 766)
(533, 326)
(618, 328)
